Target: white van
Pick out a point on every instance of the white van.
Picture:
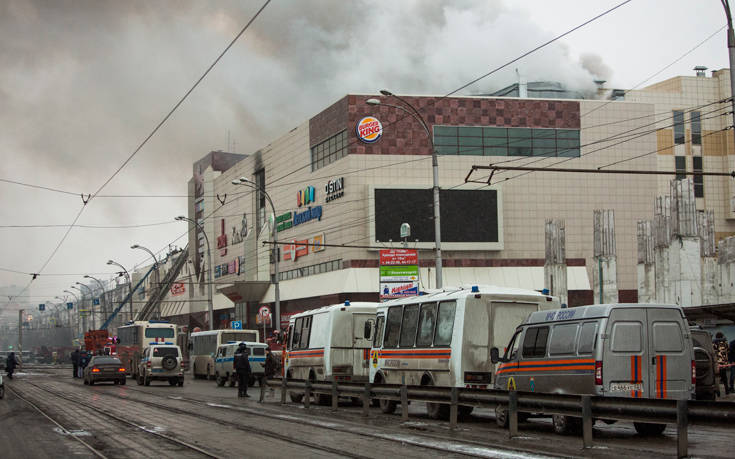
(444, 339)
(612, 350)
(225, 358)
(328, 344)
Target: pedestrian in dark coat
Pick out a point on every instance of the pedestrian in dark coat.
(10, 364)
(242, 367)
(721, 348)
(83, 360)
(75, 362)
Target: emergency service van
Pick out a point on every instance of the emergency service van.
(329, 343)
(610, 350)
(225, 359)
(444, 338)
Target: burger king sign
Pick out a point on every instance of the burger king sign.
(369, 129)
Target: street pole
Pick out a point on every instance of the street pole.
(20, 332)
(157, 278)
(435, 177)
(209, 268)
(91, 303)
(276, 252)
(77, 308)
(731, 55)
(130, 284)
(103, 304)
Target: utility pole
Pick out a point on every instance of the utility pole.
(731, 55)
(20, 333)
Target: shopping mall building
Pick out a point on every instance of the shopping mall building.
(343, 182)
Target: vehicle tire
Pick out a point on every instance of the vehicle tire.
(181, 382)
(146, 380)
(123, 381)
(387, 406)
(168, 363)
(501, 417)
(172, 382)
(209, 376)
(139, 380)
(296, 398)
(220, 380)
(116, 382)
(565, 425)
(86, 383)
(91, 382)
(646, 429)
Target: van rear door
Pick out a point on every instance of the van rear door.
(361, 345)
(625, 362)
(670, 355)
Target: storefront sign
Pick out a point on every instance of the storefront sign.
(369, 129)
(399, 273)
(312, 213)
(283, 222)
(334, 189)
(222, 239)
(178, 288)
(300, 248)
(305, 196)
(233, 267)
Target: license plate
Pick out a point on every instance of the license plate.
(625, 387)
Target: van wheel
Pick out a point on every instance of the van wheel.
(139, 380)
(146, 381)
(564, 425)
(296, 398)
(220, 380)
(644, 428)
(387, 406)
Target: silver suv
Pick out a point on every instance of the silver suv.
(161, 362)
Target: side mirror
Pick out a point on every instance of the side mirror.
(494, 355)
(368, 332)
(190, 346)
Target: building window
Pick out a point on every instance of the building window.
(678, 127)
(329, 151)
(499, 141)
(698, 179)
(325, 267)
(696, 128)
(681, 167)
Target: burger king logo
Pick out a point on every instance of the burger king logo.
(369, 129)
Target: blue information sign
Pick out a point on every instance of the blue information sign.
(236, 324)
(69, 305)
(41, 307)
(96, 301)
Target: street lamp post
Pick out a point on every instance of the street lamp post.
(130, 283)
(68, 315)
(435, 172)
(84, 317)
(91, 302)
(181, 218)
(156, 266)
(102, 294)
(276, 256)
(77, 299)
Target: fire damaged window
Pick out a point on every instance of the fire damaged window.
(501, 141)
(329, 150)
(678, 127)
(698, 179)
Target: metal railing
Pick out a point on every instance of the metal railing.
(682, 413)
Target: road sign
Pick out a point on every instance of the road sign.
(264, 311)
(41, 307)
(96, 301)
(69, 305)
(236, 324)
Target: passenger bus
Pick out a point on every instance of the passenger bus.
(136, 336)
(329, 343)
(203, 346)
(444, 339)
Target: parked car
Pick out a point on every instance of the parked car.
(706, 363)
(161, 362)
(104, 368)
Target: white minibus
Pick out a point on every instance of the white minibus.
(203, 346)
(329, 343)
(444, 338)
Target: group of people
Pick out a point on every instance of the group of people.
(79, 360)
(725, 354)
(241, 365)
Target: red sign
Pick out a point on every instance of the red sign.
(295, 249)
(397, 257)
(178, 288)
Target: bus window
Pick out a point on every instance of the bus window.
(304, 342)
(445, 324)
(427, 320)
(378, 342)
(297, 333)
(563, 338)
(393, 327)
(290, 337)
(534, 344)
(587, 338)
(408, 328)
(159, 332)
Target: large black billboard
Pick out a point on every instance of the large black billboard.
(467, 216)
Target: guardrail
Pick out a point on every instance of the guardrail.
(586, 407)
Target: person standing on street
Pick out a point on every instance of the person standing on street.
(721, 348)
(242, 367)
(75, 362)
(10, 364)
(83, 359)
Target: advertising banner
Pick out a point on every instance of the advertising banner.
(178, 288)
(399, 273)
(398, 289)
(394, 257)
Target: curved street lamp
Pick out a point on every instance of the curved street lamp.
(84, 318)
(102, 289)
(130, 283)
(276, 256)
(91, 302)
(435, 172)
(155, 266)
(210, 311)
(77, 300)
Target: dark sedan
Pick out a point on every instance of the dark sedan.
(104, 368)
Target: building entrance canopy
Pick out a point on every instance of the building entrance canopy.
(240, 292)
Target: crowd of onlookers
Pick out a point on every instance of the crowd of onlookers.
(725, 354)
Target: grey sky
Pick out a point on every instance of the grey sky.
(83, 82)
